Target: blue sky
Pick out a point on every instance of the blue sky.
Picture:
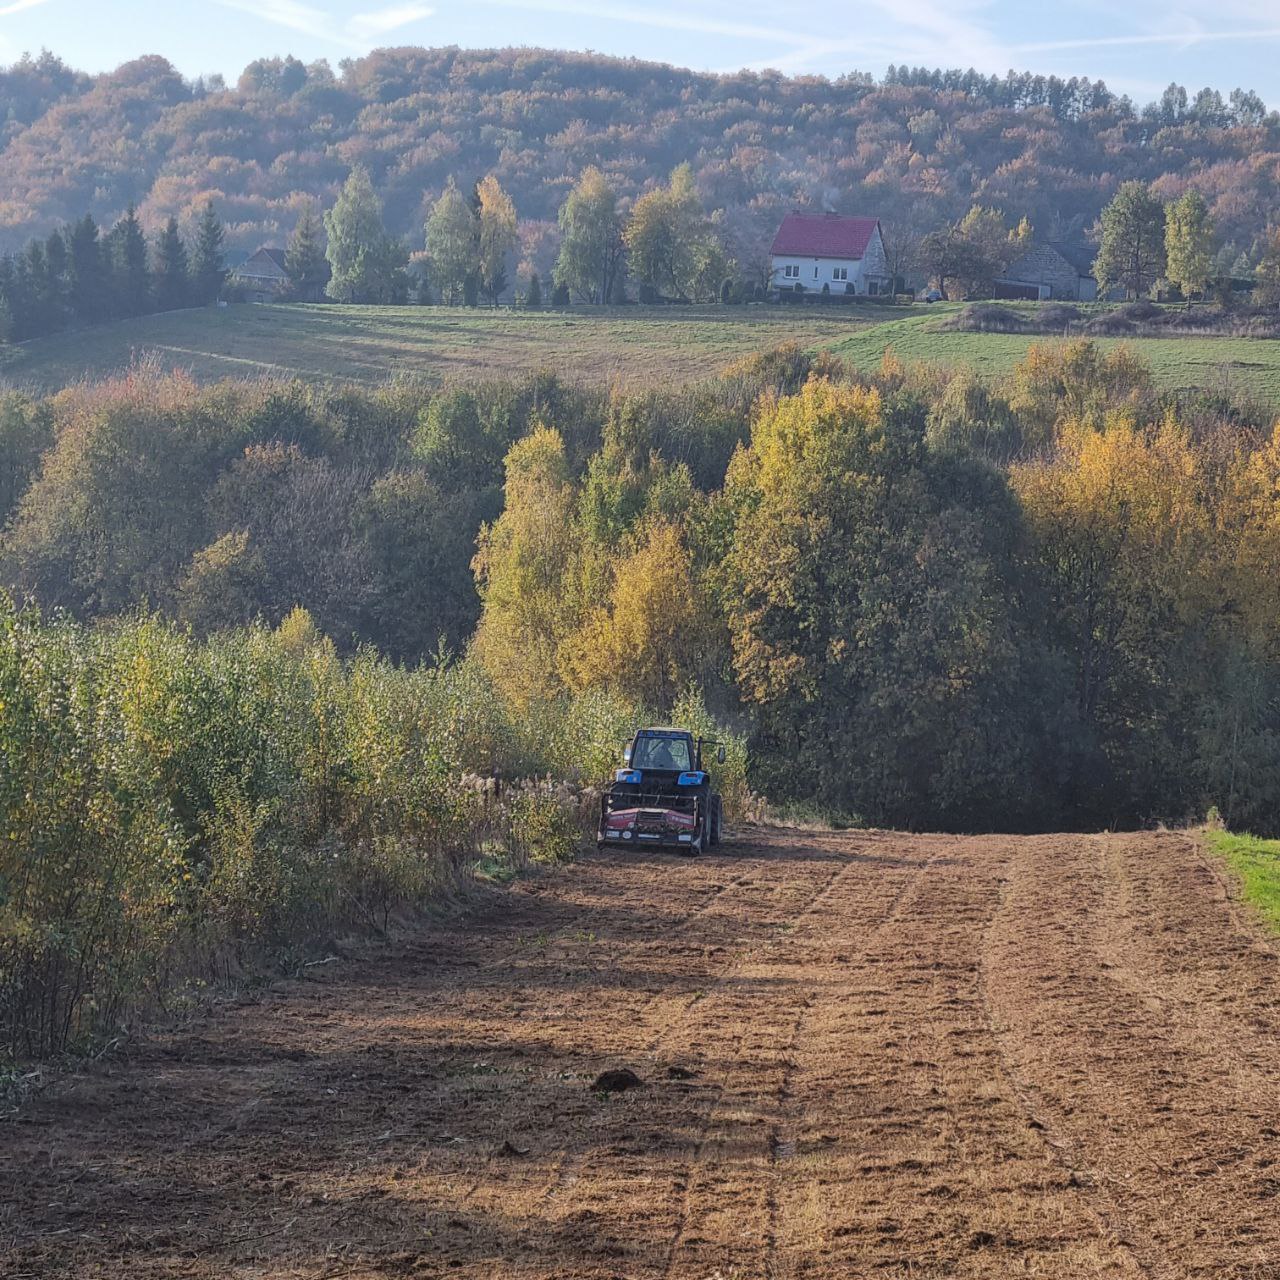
(1137, 46)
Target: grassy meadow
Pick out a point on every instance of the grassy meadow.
(1257, 863)
(1248, 367)
(636, 345)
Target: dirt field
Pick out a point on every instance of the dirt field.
(863, 1055)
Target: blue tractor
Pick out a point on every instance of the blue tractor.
(662, 795)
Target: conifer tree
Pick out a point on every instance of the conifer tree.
(132, 288)
(304, 260)
(173, 277)
(208, 267)
(87, 272)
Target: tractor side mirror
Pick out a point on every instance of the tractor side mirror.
(626, 754)
(720, 754)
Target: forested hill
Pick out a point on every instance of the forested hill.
(916, 147)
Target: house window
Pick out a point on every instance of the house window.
(791, 271)
(839, 273)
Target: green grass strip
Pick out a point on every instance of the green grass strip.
(1257, 863)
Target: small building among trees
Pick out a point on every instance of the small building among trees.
(1050, 271)
(828, 253)
(263, 276)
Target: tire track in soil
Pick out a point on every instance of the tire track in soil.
(562, 1173)
(1142, 1023)
(911, 1156)
(910, 1061)
(737, 1088)
(675, 1039)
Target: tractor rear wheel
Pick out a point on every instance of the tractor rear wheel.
(714, 821)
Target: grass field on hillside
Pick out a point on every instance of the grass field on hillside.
(1257, 863)
(1245, 365)
(642, 346)
(638, 346)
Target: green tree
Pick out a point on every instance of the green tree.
(591, 249)
(1132, 253)
(88, 283)
(452, 243)
(957, 265)
(1267, 274)
(1188, 240)
(132, 284)
(418, 541)
(533, 299)
(366, 264)
(208, 266)
(870, 598)
(305, 258)
(496, 236)
(172, 275)
(675, 248)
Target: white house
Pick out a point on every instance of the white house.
(817, 252)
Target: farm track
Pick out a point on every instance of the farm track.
(864, 1055)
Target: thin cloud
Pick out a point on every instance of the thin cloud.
(356, 34)
(293, 17)
(660, 19)
(19, 5)
(1184, 39)
(381, 21)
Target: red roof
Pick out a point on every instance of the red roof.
(824, 235)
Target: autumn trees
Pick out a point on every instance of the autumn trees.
(591, 247)
(931, 598)
(365, 263)
(872, 607)
(673, 248)
(1188, 244)
(966, 258)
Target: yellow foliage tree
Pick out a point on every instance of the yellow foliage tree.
(1076, 380)
(1123, 524)
(657, 631)
(1252, 519)
(521, 568)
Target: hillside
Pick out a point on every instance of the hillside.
(914, 147)
(638, 346)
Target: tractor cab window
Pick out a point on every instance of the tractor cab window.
(661, 753)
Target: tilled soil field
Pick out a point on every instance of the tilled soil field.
(860, 1055)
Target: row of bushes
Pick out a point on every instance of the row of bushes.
(168, 803)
